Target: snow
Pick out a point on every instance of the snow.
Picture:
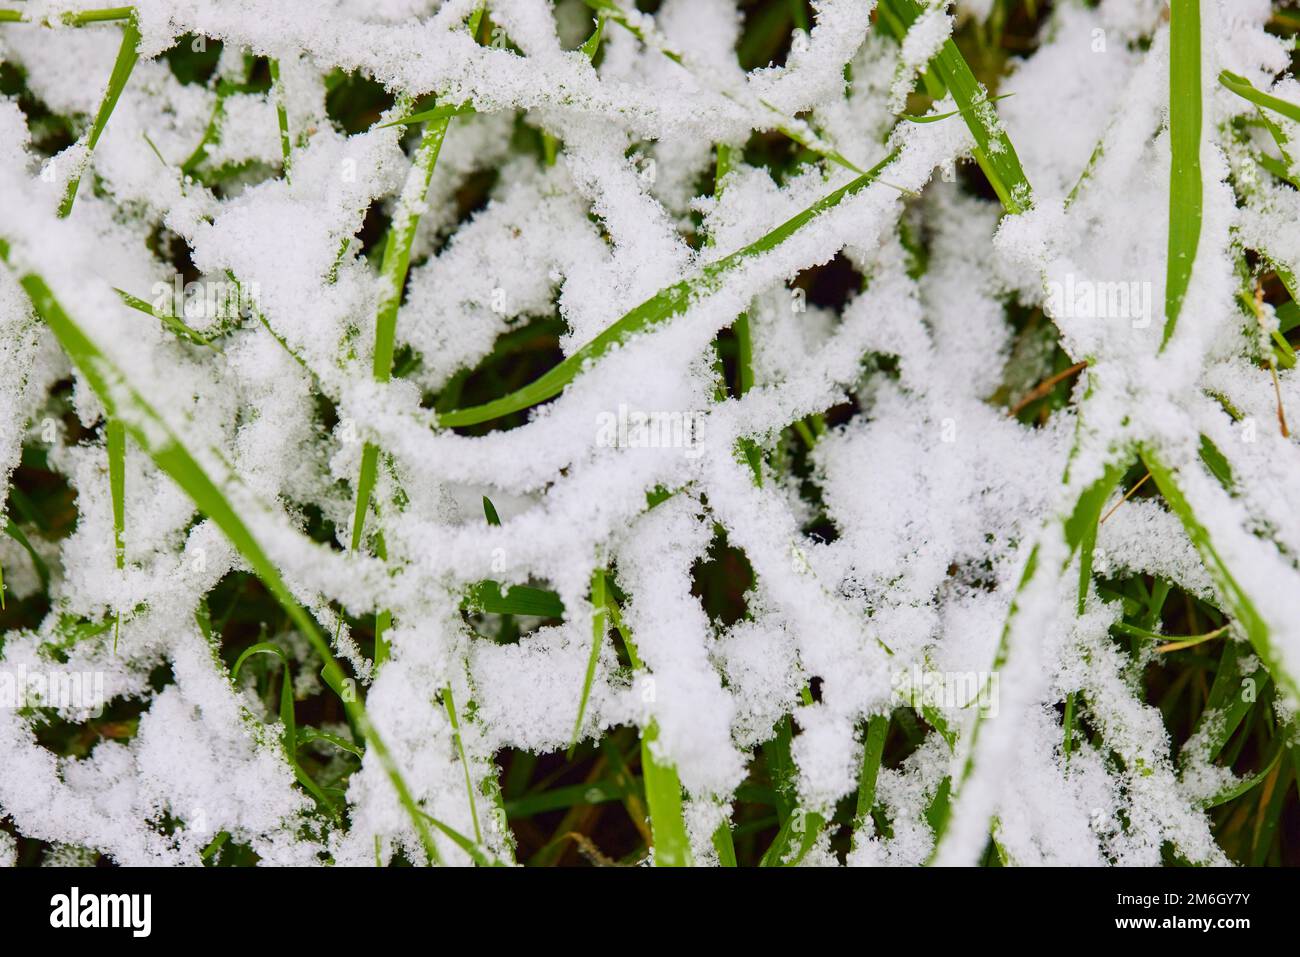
(938, 498)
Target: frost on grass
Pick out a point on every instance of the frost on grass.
(924, 534)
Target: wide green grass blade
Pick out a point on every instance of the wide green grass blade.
(122, 67)
(787, 126)
(450, 704)
(1185, 187)
(42, 569)
(950, 73)
(658, 308)
(166, 448)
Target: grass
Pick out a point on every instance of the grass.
(617, 799)
(1185, 188)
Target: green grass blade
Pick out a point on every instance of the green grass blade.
(81, 18)
(663, 789)
(116, 440)
(787, 126)
(450, 705)
(873, 748)
(396, 263)
(122, 67)
(1185, 188)
(950, 72)
(1238, 788)
(597, 640)
(439, 114)
(486, 596)
(1236, 600)
(281, 116)
(663, 794)
(42, 569)
(658, 308)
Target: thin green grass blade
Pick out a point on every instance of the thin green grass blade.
(42, 569)
(81, 18)
(1236, 600)
(597, 641)
(663, 794)
(396, 263)
(487, 597)
(787, 126)
(1227, 704)
(166, 448)
(724, 845)
(122, 67)
(281, 117)
(290, 736)
(663, 789)
(490, 512)
(1185, 187)
(450, 704)
(474, 851)
(873, 749)
(658, 308)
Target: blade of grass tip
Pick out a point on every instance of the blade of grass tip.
(281, 117)
(474, 851)
(663, 788)
(1226, 707)
(122, 67)
(490, 512)
(169, 453)
(1236, 600)
(743, 332)
(81, 18)
(597, 641)
(435, 115)
(1185, 187)
(450, 705)
(665, 304)
(950, 72)
(42, 570)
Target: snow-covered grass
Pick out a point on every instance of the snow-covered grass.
(687, 433)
